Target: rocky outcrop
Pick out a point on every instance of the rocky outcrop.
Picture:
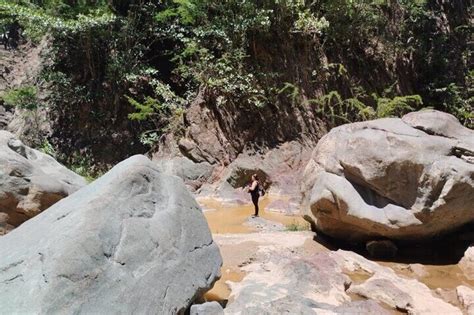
(133, 241)
(385, 286)
(219, 134)
(30, 182)
(193, 174)
(294, 275)
(292, 286)
(404, 179)
(467, 263)
(279, 169)
(19, 68)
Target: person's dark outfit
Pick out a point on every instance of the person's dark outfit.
(255, 195)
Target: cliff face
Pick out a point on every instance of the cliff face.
(291, 85)
(19, 69)
(414, 54)
(217, 135)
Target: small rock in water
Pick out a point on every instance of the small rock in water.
(209, 308)
(418, 269)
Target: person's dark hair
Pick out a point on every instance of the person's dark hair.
(255, 177)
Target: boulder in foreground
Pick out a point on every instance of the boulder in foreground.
(133, 241)
(30, 182)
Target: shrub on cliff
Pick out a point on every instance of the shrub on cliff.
(109, 59)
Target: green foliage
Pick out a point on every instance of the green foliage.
(37, 20)
(150, 137)
(398, 106)
(295, 227)
(213, 52)
(292, 91)
(47, 148)
(307, 23)
(22, 97)
(168, 102)
(145, 110)
(225, 76)
(148, 60)
(83, 165)
(163, 110)
(188, 12)
(457, 102)
(25, 99)
(339, 110)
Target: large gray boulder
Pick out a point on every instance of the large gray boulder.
(132, 242)
(406, 179)
(30, 181)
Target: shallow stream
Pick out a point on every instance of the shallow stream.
(231, 219)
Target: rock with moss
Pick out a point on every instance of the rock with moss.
(30, 182)
(404, 179)
(133, 241)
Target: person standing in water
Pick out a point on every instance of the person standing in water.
(254, 191)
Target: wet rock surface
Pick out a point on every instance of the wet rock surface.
(287, 272)
(384, 285)
(30, 182)
(133, 241)
(404, 179)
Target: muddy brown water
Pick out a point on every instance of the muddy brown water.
(446, 277)
(229, 219)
